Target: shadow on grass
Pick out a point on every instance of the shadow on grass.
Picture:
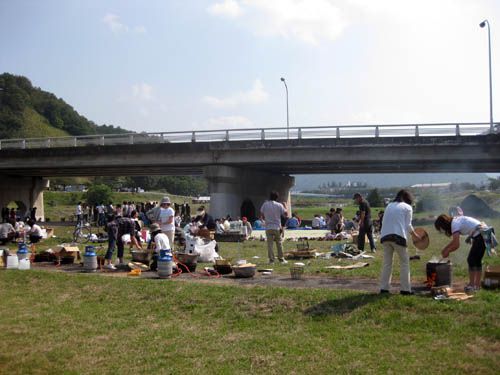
(343, 305)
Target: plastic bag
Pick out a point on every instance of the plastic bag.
(206, 252)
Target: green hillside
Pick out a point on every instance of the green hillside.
(27, 111)
(35, 125)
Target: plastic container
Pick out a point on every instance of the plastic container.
(22, 252)
(89, 259)
(24, 264)
(12, 262)
(165, 265)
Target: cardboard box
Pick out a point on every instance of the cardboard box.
(492, 272)
(492, 277)
(67, 250)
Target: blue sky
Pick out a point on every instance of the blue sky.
(185, 65)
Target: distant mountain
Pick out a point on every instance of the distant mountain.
(27, 111)
(309, 182)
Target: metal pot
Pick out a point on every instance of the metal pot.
(140, 256)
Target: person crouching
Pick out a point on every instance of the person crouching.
(161, 242)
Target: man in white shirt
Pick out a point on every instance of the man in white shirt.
(271, 211)
(79, 213)
(101, 217)
(316, 222)
(35, 232)
(7, 233)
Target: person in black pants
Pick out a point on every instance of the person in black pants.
(365, 223)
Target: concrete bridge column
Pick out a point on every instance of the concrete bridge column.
(25, 191)
(230, 187)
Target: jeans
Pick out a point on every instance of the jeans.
(112, 242)
(101, 221)
(368, 231)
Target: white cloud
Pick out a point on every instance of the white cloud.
(309, 21)
(227, 8)
(113, 22)
(229, 122)
(255, 95)
(143, 92)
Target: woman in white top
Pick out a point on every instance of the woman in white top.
(467, 226)
(396, 225)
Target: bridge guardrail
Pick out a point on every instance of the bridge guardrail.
(262, 134)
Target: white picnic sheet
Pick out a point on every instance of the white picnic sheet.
(295, 233)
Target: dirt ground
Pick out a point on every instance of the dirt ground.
(275, 280)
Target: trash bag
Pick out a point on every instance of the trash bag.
(206, 252)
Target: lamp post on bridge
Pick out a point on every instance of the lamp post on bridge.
(483, 24)
(287, 116)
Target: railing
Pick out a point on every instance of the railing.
(260, 134)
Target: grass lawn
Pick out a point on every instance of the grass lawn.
(58, 323)
(90, 324)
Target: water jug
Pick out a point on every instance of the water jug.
(165, 264)
(12, 262)
(89, 259)
(24, 264)
(23, 251)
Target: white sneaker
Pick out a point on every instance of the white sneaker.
(283, 261)
(110, 267)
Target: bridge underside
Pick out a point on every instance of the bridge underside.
(306, 156)
(245, 171)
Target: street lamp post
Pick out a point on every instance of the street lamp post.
(287, 116)
(482, 24)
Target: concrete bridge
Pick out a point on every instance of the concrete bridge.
(244, 165)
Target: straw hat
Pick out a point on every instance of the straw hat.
(154, 228)
(423, 242)
(165, 200)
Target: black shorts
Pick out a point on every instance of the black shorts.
(475, 258)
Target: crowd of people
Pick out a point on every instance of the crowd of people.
(165, 220)
(13, 229)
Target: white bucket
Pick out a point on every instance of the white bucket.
(12, 262)
(24, 264)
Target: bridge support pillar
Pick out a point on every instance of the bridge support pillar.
(241, 192)
(26, 192)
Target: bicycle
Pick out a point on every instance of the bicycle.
(82, 232)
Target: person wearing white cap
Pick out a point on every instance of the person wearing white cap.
(164, 215)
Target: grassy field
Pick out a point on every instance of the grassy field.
(57, 323)
(92, 324)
